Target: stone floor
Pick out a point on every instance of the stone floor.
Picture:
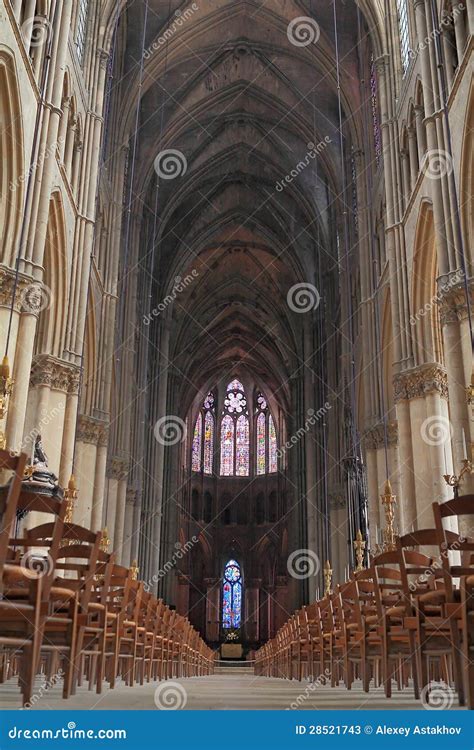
(232, 690)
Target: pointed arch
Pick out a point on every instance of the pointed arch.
(50, 335)
(426, 336)
(12, 174)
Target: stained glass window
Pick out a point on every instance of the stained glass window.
(242, 462)
(197, 441)
(235, 385)
(81, 29)
(261, 439)
(227, 446)
(208, 442)
(272, 446)
(232, 596)
(404, 31)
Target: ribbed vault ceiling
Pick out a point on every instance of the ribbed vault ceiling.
(241, 102)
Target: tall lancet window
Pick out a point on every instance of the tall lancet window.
(203, 438)
(81, 29)
(272, 446)
(266, 446)
(197, 442)
(232, 596)
(404, 33)
(235, 432)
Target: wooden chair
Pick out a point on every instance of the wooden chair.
(457, 607)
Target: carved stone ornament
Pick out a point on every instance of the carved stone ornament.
(374, 436)
(89, 430)
(7, 282)
(118, 468)
(58, 375)
(452, 297)
(419, 382)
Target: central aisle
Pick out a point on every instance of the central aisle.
(233, 690)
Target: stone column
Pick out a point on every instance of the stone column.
(99, 481)
(120, 519)
(213, 609)
(128, 527)
(251, 612)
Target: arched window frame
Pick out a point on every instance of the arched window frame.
(80, 33)
(235, 408)
(205, 414)
(261, 408)
(403, 14)
(233, 594)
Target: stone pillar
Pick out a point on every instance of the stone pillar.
(99, 481)
(251, 611)
(119, 527)
(213, 609)
(128, 527)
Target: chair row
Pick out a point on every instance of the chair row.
(67, 608)
(408, 619)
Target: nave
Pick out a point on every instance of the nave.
(243, 691)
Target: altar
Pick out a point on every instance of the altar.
(231, 651)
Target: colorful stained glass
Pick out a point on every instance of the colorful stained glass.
(209, 401)
(232, 596)
(272, 446)
(261, 435)
(262, 404)
(242, 447)
(208, 442)
(235, 385)
(227, 446)
(197, 440)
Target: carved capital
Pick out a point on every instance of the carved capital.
(89, 430)
(419, 382)
(375, 436)
(23, 289)
(53, 372)
(452, 297)
(118, 468)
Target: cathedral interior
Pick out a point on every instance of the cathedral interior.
(236, 323)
